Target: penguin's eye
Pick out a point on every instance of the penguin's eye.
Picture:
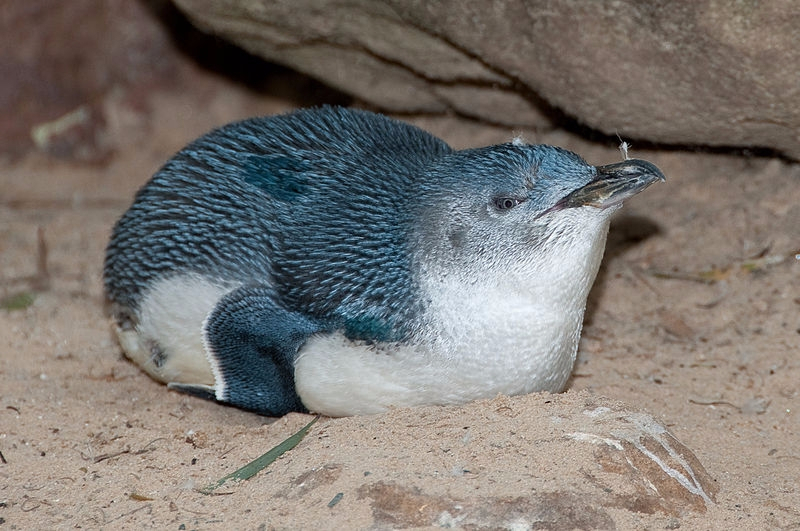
(505, 203)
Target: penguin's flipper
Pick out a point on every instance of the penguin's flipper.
(251, 341)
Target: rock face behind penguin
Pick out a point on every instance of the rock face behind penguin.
(342, 262)
(703, 72)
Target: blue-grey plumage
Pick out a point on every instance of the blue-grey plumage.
(339, 261)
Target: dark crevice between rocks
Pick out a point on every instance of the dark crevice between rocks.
(217, 55)
(573, 125)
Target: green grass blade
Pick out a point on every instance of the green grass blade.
(20, 301)
(260, 463)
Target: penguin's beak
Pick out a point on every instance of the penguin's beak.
(614, 184)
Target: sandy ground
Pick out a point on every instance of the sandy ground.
(694, 320)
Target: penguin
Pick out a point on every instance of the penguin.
(341, 262)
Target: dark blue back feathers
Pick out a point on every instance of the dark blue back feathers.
(316, 203)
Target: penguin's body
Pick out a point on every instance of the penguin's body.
(342, 262)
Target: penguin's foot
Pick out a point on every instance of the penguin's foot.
(206, 392)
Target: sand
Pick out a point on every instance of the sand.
(693, 325)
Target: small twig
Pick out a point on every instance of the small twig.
(41, 281)
(702, 402)
(711, 304)
(639, 274)
(143, 450)
(679, 276)
(147, 447)
(755, 406)
(103, 457)
(147, 507)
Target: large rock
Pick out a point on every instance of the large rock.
(706, 72)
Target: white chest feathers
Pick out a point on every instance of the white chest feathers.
(488, 343)
(513, 332)
(515, 350)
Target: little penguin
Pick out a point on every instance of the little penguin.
(342, 262)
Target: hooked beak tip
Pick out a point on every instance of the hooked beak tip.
(614, 184)
(632, 168)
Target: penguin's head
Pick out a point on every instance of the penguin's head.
(520, 209)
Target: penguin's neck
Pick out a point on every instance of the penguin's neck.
(518, 330)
